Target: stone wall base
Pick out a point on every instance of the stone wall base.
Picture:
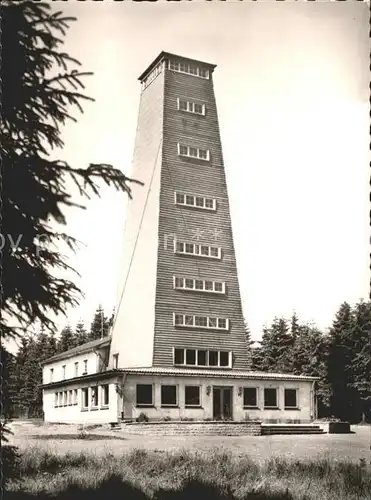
(193, 428)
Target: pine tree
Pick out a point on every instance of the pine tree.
(100, 325)
(67, 339)
(80, 333)
(41, 89)
(275, 347)
(345, 401)
(361, 365)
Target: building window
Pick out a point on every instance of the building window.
(187, 248)
(105, 395)
(70, 397)
(169, 395)
(188, 68)
(85, 367)
(76, 369)
(51, 373)
(250, 398)
(291, 399)
(204, 322)
(64, 398)
(198, 285)
(75, 396)
(94, 397)
(193, 152)
(64, 371)
(56, 399)
(152, 75)
(192, 395)
(202, 357)
(85, 397)
(115, 361)
(191, 107)
(144, 395)
(270, 398)
(194, 201)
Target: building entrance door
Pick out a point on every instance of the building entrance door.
(222, 403)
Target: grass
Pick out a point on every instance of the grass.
(141, 474)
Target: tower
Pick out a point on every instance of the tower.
(180, 301)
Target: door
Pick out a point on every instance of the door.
(222, 403)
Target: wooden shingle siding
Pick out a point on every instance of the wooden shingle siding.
(206, 178)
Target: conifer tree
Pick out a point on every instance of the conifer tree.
(100, 325)
(81, 333)
(67, 339)
(361, 364)
(42, 88)
(345, 401)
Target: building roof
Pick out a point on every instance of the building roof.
(87, 347)
(196, 372)
(164, 55)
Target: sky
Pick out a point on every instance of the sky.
(291, 87)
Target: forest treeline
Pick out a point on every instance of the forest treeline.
(340, 357)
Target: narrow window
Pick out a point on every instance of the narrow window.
(189, 320)
(190, 357)
(179, 356)
(291, 398)
(75, 397)
(76, 369)
(64, 398)
(64, 371)
(70, 394)
(115, 361)
(270, 398)
(94, 397)
(192, 395)
(168, 395)
(222, 323)
(56, 399)
(213, 358)
(144, 395)
(179, 319)
(85, 367)
(105, 395)
(179, 283)
(85, 398)
(250, 397)
(51, 374)
(224, 358)
(202, 358)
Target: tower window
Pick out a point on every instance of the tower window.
(197, 285)
(204, 322)
(188, 68)
(188, 200)
(191, 107)
(202, 357)
(193, 152)
(206, 251)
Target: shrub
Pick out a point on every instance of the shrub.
(143, 417)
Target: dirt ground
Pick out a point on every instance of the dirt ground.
(64, 438)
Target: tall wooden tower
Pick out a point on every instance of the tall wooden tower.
(180, 301)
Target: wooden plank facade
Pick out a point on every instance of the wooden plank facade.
(144, 333)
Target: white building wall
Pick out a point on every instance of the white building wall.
(57, 367)
(304, 412)
(74, 412)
